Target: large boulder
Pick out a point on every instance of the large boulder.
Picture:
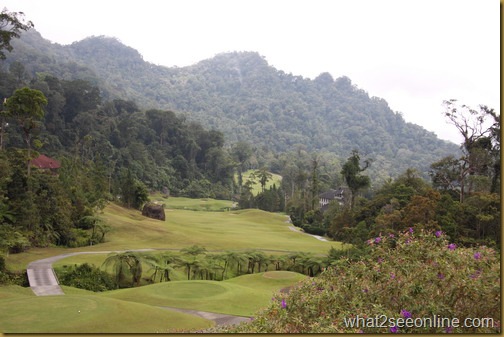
(154, 211)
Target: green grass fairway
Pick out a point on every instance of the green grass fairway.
(235, 230)
(8, 292)
(256, 187)
(60, 314)
(242, 296)
(206, 204)
(216, 231)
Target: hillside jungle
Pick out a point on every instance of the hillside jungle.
(112, 150)
(422, 241)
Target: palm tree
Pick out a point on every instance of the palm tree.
(237, 258)
(278, 261)
(194, 250)
(126, 262)
(189, 263)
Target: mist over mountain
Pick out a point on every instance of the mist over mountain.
(240, 94)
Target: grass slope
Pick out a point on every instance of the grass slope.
(205, 204)
(234, 230)
(276, 180)
(241, 296)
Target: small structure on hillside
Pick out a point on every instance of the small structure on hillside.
(330, 195)
(154, 211)
(43, 162)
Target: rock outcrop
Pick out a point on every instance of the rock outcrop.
(154, 211)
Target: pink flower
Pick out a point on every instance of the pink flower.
(477, 255)
(438, 234)
(377, 240)
(452, 246)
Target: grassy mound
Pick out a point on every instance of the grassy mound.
(241, 296)
(89, 314)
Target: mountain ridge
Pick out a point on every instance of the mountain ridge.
(240, 94)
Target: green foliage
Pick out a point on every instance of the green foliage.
(239, 94)
(124, 265)
(87, 277)
(411, 275)
(11, 25)
(351, 172)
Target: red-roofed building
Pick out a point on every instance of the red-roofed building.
(45, 163)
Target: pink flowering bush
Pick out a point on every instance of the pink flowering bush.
(412, 276)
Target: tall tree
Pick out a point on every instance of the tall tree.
(480, 146)
(26, 107)
(241, 153)
(11, 25)
(351, 172)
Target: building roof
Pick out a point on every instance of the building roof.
(45, 162)
(332, 194)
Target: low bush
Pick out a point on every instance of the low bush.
(411, 277)
(86, 276)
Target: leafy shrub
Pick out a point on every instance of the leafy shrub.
(87, 277)
(411, 275)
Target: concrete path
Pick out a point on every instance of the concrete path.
(318, 237)
(219, 319)
(43, 282)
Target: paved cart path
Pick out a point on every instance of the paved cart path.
(43, 282)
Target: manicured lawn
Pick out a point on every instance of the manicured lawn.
(206, 204)
(216, 231)
(137, 309)
(242, 296)
(89, 314)
(276, 179)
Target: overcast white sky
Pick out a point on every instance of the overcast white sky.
(414, 54)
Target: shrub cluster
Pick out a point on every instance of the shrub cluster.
(410, 275)
(86, 276)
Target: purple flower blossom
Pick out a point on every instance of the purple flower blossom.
(380, 260)
(452, 246)
(393, 329)
(405, 313)
(438, 234)
(408, 241)
(477, 255)
(392, 275)
(449, 329)
(391, 235)
(440, 276)
(377, 240)
(410, 230)
(284, 304)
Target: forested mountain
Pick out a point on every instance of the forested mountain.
(241, 95)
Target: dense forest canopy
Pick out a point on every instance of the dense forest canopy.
(121, 127)
(239, 94)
